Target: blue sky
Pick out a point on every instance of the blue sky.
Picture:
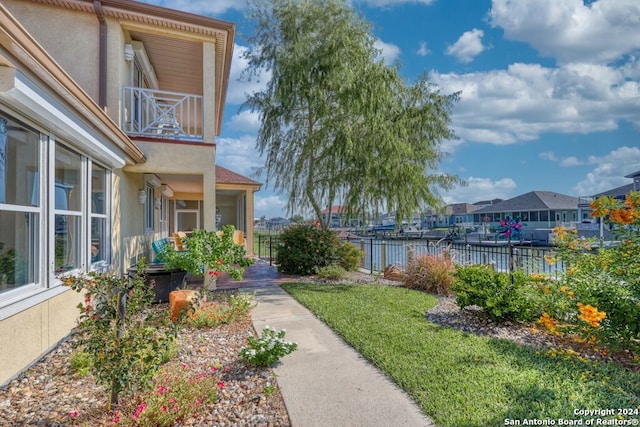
(550, 90)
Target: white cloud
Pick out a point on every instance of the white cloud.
(481, 189)
(570, 30)
(239, 155)
(245, 121)
(610, 171)
(423, 50)
(468, 46)
(269, 205)
(570, 161)
(389, 52)
(548, 155)
(240, 87)
(526, 100)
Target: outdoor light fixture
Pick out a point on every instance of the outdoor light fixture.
(142, 197)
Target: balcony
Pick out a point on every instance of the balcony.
(162, 114)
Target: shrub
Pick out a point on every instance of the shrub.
(599, 293)
(430, 273)
(81, 363)
(304, 249)
(500, 297)
(210, 314)
(332, 272)
(268, 349)
(350, 257)
(177, 394)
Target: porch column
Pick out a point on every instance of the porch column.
(249, 219)
(209, 92)
(209, 199)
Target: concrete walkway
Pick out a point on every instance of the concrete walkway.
(324, 382)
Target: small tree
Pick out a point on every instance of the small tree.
(128, 345)
(337, 123)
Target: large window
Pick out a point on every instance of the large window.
(54, 211)
(20, 205)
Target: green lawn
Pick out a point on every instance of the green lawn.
(461, 379)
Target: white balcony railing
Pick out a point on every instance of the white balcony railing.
(162, 114)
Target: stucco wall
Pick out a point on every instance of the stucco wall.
(28, 335)
(71, 38)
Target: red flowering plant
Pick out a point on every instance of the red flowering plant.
(212, 251)
(602, 287)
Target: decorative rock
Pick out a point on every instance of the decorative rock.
(180, 300)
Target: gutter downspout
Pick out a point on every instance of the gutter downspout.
(102, 65)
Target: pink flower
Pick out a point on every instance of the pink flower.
(198, 400)
(184, 366)
(116, 416)
(163, 408)
(220, 384)
(73, 414)
(214, 369)
(161, 389)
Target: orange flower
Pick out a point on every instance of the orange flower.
(622, 216)
(548, 322)
(590, 314)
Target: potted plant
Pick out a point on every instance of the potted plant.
(208, 253)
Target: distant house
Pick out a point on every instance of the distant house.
(537, 209)
(336, 216)
(453, 214)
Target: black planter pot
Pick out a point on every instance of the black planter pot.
(163, 281)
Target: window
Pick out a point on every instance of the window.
(534, 216)
(100, 245)
(68, 196)
(149, 210)
(20, 207)
(544, 215)
(163, 215)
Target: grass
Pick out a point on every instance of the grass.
(460, 379)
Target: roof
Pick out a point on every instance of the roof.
(633, 175)
(226, 176)
(534, 201)
(618, 191)
(335, 209)
(462, 208)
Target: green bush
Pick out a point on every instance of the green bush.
(332, 272)
(81, 363)
(430, 273)
(500, 297)
(304, 249)
(350, 257)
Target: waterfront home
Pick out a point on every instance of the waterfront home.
(538, 211)
(109, 111)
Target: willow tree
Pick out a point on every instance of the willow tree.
(339, 125)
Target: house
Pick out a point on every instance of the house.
(107, 143)
(536, 209)
(453, 214)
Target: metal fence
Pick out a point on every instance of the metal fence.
(381, 253)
